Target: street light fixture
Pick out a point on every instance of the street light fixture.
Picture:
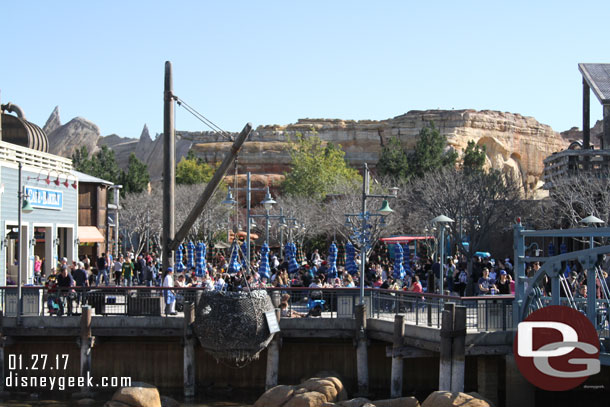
(362, 233)
(268, 202)
(592, 221)
(443, 221)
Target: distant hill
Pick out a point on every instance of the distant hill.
(515, 144)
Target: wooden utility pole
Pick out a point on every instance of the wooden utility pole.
(169, 168)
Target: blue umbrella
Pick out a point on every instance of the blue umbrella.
(234, 265)
(201, 265)
(263, 268)
(332, 261)
(244, 253)
(179, 265)
(399, 271)
(190, 255)
(293, 267)
(406, 262)
(350, 259)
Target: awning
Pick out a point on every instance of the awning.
(89, 234)
(404, 239)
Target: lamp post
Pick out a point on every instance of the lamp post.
(442, 220)
(268, 203)
(230, 201)
(23, 206)
(115, 207)
(591, 221)
(362, 233)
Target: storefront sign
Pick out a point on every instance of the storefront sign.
(45, 198)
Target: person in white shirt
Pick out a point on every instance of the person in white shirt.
(169, 295)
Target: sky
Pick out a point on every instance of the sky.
(273, 62)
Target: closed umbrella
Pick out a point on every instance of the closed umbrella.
(406, 262)
(234, 264)
(332, 261)
(201, 264)
(244, 262)
(300, 256)
(179, 265)
(263, 268)
(190, 255)
(293, 267)
(350, 259)
(399, 271)
(341, 255)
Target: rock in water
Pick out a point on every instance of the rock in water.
(138, 395)
(275, 396)
(448, 399)
(232, 326)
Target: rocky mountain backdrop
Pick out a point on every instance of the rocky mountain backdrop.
(515, 144)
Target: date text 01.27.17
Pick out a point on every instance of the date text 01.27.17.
(38, 361)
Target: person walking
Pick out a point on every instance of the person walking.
(127, 270)
(102, 269)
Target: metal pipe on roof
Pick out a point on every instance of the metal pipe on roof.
(11, 107)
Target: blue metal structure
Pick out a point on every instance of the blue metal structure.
(529, 296)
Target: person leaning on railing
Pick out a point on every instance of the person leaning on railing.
(65, 283)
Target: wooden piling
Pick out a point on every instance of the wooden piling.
(189, 350)
(397, 364)
(362, 351)
(458, 349)
(444, 376)
(273, 357)
(86, 341)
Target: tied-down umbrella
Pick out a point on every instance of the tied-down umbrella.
(201, 265)
(293, 267)
(190, 255)
(263, 268)
(332, 261)
(399, 271)
(234, 265)
(406, 261)
(244, 261)
(298, 253)
(341, 254)
(179, 255)
(350, 259)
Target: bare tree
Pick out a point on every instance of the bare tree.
(575, 198)
(481, 203)
(142, 212)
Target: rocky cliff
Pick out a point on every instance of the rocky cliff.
(515, 144)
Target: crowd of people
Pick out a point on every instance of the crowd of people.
(423, 275)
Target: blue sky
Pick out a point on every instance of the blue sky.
(273, 62)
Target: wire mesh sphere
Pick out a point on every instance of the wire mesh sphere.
(232, 326)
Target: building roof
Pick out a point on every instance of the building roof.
(598, 79)
(82, 177)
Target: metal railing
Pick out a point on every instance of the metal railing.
(484, 313)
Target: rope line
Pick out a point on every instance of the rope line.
(203, 119)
